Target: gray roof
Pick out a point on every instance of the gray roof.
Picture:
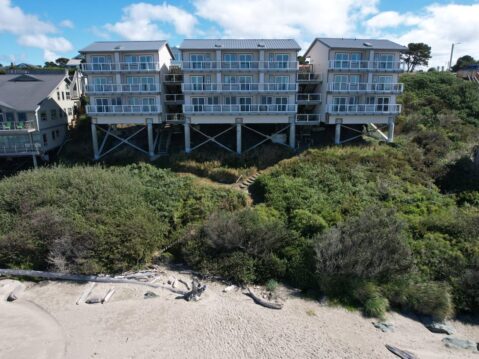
(112, 46)
(241, 44)
(26, 95)
(339, 43)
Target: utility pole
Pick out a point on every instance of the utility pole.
(452, 53)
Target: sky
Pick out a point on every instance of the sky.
(35, 31)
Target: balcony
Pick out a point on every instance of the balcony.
(123, 109)
(21, 126)
(344, 87)
(240, 65)
(173, 79)
(20, 149)
(239, 109)
(307, 118)
(308, 77)
(363, 109)
(363, 65)
(123, 88)
(174, 117)
(174, 98)
(239, 87)
(308, 98)
(121, 67)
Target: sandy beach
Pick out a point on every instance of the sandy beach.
(45, 322)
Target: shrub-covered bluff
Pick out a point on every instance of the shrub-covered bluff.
(369, 225)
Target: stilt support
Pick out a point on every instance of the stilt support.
(337, 134)
(187, 137)
(391, 130)
(35, 164)
(238, 138)
(94, 141)
(292, 135)
(151, 145)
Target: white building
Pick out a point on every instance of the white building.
(35, 110)
(239, 84)
(123, 83)
(360, 82)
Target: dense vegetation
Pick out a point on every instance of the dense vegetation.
(371, 225)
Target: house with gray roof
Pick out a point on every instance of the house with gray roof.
(35, 110)
(361, 83)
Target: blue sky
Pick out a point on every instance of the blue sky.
(33, 31)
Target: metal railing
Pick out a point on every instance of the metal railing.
(364, 65)
(225, 109)
(121, 66)
(240, 87)
(123, 109)
(365, 87)
(174, 78)
(240, 65)
(21, 148)
(124, 88)
(308, 98)
(301, 117)
(174, 117)
(16, 125)
(364, 109)
(308, 77)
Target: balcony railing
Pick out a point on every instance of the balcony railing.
(243, 109)
(363, 109)
(239, 65)
(239, 87)
(174, 117)
(174, 78)
(363, 65)
(124, 109)
(365, 87)
(308, 77)
(307, 118)
(20, 148)
(308, 98)
(124, 88)
(121, 67)
(174, 98)
(17, 125)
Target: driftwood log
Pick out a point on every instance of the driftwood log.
(401, 353)
(80, 278)
(263, 302)
(196, 291)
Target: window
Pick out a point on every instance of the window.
(198, 103)
(45, 139)
(355, 58)
(199, 61)
(245, 103)
(382, 104)
(341, 60)
(281, 103)
(68, 95)
(10, 116)
(57, 133)
(230, 100)
(383, 83)
(101, 62)
(281, 83)
(384, 61)
(279, 61)
(43, 116)
(22, 117)
(58, 95)
(70, 112)
(245, 61)
(53, 135)
(339, 104)
(63, 96)
(2, 118)
(340, 83)
(197, 82)
(101, 105)
(245, 82)
(53, 114)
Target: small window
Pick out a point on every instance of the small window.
(70, 112)
(43, 116)
(22, 117)
(68, 95)
(53, 135)
(57, 132)
(45, 139)
(63, 95)
(58, 95)
(10, 116)
(53, 114)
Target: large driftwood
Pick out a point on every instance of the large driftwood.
(263, 302)
(80, 278)
(401, 353)
(85, 294)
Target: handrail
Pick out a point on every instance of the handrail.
(365, 65)
(174, 97)
(253, 108)
(121, 66)
(366, 87)
(240, 87)
(302, 117)
(240, 65)
(26, 147)
(129, 109)
(16, 125)
(308, 97)
(102, 88)
(364, 108)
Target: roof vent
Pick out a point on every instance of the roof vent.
(261, 44)
(218, 45)
(368, 44)
(118, 47)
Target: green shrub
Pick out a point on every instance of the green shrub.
(376, 307)
(271, 285)
(431, 299)
(306, 223)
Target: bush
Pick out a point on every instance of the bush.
(307, 223)
(370, 246)
(431, 299)
(271, 285)
(373, 302)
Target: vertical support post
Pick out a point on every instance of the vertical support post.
(34, 156)
(94, 140)
(35, 164)
(151, 146)
(292, 134)
(391, 130)
(187, 137)
(337, 134)
(238, 138)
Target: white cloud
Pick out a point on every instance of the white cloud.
(140, 21)
(14, 21)
(67, 23)
(302, 20)
(438, 26)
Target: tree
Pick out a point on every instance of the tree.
(463, 62)
(50, 64)
(417, 54)
(61, 61)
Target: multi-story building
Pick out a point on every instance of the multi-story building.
(239, 84)
(123, 83)
(360, 82)
(36, 108)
